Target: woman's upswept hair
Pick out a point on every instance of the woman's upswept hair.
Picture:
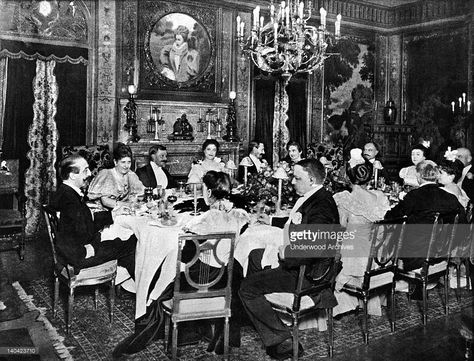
(219, 183)
(452, 168)
(360, 174)
(121, 151)
(208, 142)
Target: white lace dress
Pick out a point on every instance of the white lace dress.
(357, 213)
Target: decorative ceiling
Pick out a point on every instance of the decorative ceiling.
(388, 3)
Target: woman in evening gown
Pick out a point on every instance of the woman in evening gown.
(358, 209)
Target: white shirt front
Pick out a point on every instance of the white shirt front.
(301, 200)
(160, 176)
(256, 161)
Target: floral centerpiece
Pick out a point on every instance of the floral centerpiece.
(263, 187)
(332, 157)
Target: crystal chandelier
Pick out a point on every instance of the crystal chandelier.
(287, 44)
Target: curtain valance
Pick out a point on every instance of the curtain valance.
(45, 52)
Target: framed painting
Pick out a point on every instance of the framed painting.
(179, 54)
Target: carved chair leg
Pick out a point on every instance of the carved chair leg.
(226, 338)
(112, 299)
(392, 308)
(70, 304)
(96, 296)
(174, 342)
(295, 337)
(56, 296)
(365, 327)
(330, 332)
(425, 302)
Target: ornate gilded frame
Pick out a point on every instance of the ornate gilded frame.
(152, 84)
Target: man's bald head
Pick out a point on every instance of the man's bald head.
(464, 155)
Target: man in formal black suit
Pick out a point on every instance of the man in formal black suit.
(419, 205)
(372, 154)
(256, 151)
(154, 173)
(466, 181)
(79, 238)
(316, 206)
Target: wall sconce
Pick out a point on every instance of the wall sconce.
(130, 110)
(231, 126)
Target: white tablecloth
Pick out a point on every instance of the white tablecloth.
(155, 246)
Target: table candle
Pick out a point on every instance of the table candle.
(452, 106)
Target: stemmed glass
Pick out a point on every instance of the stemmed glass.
(172, 198)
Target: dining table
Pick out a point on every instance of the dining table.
(157, 250)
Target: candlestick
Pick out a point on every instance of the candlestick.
(280, 184)
(376, 178)
(245, 176)
(195, 213)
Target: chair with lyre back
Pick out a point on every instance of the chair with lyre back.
(436, 261)
(202, 287)
(65, 272)
(299, 304)
(379, 274)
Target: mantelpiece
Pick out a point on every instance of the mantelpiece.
(182, 154)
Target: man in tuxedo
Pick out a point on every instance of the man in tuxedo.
(256, 151)
(466, 181)
(316, 206)
(154, 173)
(372, 154)
(419, 205)
(79, 238)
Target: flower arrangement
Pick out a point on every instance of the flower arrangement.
(331, 156)
(263, 186)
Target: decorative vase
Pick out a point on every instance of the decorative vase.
(390, 112)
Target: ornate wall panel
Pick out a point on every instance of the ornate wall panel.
(62, 20)
(106, 75)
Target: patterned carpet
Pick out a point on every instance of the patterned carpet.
(93, 337)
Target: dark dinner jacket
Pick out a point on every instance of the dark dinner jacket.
(76, 226)
(320, 208)
(468, 184)
(147, 176)
(419, 206)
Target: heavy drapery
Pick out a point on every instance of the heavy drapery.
(25, 130)
(42, 139)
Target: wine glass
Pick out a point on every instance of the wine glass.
(172, 198)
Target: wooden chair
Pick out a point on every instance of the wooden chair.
(381, 266)
(299, 304)
(66, 273)
(460, 257)
(430, 269)
(198, 292)
(12, 216)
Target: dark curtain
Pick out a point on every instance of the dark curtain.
(297, 108)
(71, 114)
(71, 103)
(264, 107)
(18, 114)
